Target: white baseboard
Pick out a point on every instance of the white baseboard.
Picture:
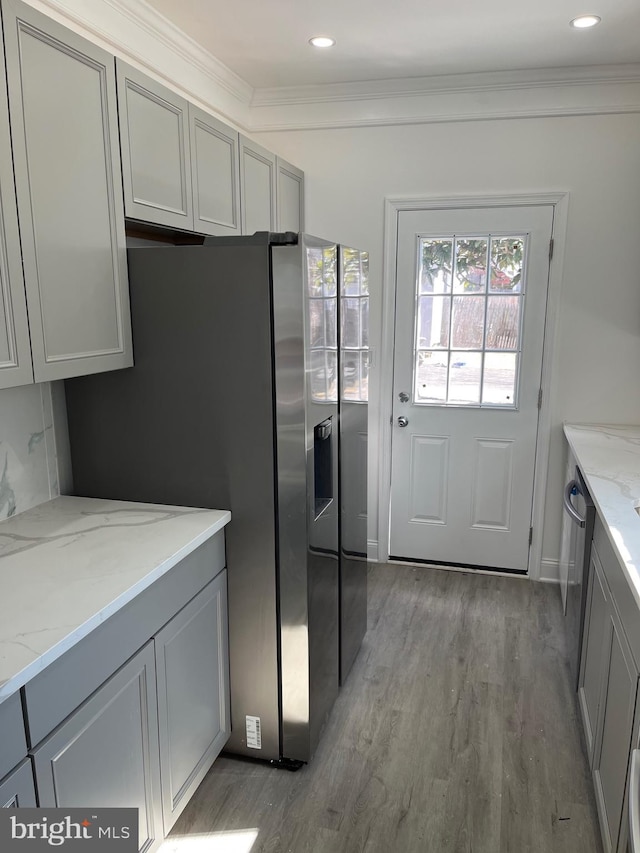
(549, 571)
(372, 550)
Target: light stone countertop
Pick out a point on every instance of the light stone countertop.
(70, 563)
(609, 459)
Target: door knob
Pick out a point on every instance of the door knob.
(402, 421)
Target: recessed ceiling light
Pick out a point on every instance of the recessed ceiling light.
(584, 21)
(322, 41)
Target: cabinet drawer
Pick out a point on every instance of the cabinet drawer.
(13, 745)
(57, 691)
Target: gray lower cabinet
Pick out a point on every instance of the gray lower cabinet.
(154, 140)
(63, 113)
(193, 695)
(608, 687)
(257, 187)
(289, 197)
(16, 789)
(105, 754)
(612, 751)
(592, 666)
(215, 174)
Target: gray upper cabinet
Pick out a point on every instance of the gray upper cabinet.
(257, 187)
(154, 140)
(192, 663)
(289, 197)
(105, 754)
(215, 174)
(62, 109)
(607, 689)
(15, 349)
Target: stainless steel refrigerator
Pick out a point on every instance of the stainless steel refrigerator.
(233, 403)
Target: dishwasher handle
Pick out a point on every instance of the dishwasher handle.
(634, 802)
(572, 489)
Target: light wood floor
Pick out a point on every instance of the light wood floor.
(455, 733)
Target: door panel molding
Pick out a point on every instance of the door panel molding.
(380, 486)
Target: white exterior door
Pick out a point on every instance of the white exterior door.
(471, 294)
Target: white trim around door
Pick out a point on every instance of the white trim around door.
(393, 206)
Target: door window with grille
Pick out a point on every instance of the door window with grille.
(323, 319)
(354, 321)
(468, 332)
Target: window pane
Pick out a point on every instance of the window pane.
(365, 273)
(364, 321)
(351, 376)
(350, 322)
(329, 270)
(364, 376)
(316, 322)
(431, 377)
(331, 315)
(503, 322)
(435, 268)
(471, 265)
(506, 264)
(499, 378)
(433, 321)
(464, 377)
(323, 375)
(350, 272)
(467, 322)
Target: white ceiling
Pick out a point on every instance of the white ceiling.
(266, 41)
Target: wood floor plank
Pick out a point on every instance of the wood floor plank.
(456, 732)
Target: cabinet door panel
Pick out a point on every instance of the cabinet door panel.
(290, 197)
(154, 137)
(258, 187)
(614, 744)
(593, 651)
(63, 115)
(192, 660)
(215, 174)
(15, 347)
(17, 790)
(105, 754)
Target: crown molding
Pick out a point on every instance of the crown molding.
(604, 90)
(452, 84)
(142, 17)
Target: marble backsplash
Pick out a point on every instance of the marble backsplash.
(33, 453)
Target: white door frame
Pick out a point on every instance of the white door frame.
(393, 206)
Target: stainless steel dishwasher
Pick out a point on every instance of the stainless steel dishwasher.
(579, 515)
